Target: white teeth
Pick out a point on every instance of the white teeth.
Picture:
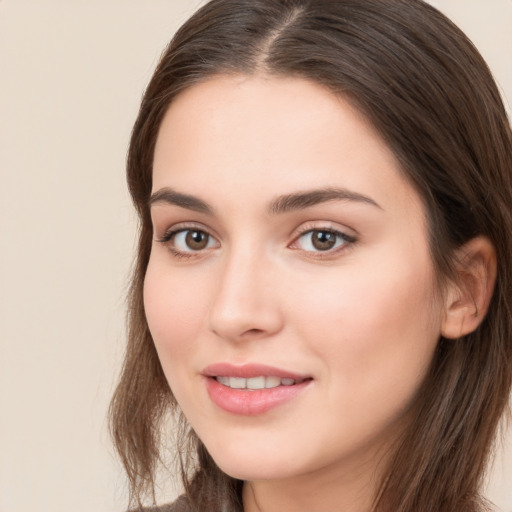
(272, 382)
(254, 383)
(237, 382)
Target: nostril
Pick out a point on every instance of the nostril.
(252, 333)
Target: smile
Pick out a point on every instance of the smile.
(252, 389)
(255, 383)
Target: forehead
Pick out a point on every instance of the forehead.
(273, 134)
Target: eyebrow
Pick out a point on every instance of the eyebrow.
(282, 204)
(168, 196)
(303, 200)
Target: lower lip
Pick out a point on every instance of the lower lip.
(251, 402)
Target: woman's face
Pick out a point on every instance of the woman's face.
(290, 290)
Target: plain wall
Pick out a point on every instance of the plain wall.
(71, 76)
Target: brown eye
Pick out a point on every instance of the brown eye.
(323, 240)
(189, 240)
(196, 240)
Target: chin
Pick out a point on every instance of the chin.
(253, 465)
(252, 472)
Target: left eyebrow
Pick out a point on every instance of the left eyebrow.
(303, 200)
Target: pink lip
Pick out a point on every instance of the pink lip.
(251, 402)
(249, 370)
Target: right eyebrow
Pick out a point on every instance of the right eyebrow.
(169, 196)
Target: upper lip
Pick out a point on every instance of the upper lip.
(250, 370)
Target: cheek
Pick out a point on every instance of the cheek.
(174, 312)
(376, 327)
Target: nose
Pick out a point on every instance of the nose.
(246, 304)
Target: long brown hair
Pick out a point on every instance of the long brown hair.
(429, 93)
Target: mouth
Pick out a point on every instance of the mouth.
(257, 383)
(252, 389)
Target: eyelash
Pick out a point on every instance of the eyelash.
(346, 241)
(342, 242)
(169, 235)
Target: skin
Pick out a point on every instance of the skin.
(362, 320)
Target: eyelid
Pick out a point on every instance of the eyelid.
(171, 232)
(184, 226)
(309, 227)
(320, 225)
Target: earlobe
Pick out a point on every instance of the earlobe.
(467, 299)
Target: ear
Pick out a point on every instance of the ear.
(467, 299)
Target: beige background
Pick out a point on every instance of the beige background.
(71, 76)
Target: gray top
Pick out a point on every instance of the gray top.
(180, 505)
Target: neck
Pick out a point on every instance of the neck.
(348, 489)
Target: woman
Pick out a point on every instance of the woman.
(322, 292)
